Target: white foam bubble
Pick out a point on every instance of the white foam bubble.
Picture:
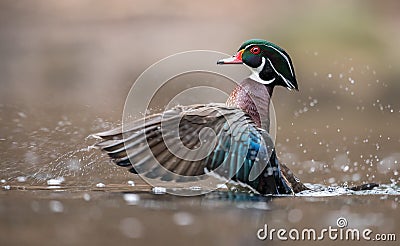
(159, 190)
(56, 181)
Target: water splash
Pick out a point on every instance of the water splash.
(48, 154)
(319, 190)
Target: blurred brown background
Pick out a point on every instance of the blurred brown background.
(66, 68)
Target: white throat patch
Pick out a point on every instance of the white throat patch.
(255, 73)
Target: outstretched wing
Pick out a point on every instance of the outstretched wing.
(186, 142)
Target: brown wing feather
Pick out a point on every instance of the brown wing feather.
(128, 144)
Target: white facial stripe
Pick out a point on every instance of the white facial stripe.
(257, 78)
(284, 56)
(255, 74)
(289, 84)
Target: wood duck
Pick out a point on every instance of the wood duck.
(241, 127)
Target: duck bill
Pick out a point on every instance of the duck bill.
(236, 59)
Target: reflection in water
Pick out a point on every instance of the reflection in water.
(137, 212)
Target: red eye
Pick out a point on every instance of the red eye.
(255, 50)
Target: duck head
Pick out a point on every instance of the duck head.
(269, 63)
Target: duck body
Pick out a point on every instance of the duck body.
(239, 146)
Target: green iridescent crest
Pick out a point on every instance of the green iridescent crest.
(277, 58)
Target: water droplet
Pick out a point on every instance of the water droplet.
(56, 181)
(86, 197)
(295, 215)
(21, 179)
(131, 227)
(183, 218)
(195, 188)
(159, 190)
(56, 206)
(73, 164)
(131, 199)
